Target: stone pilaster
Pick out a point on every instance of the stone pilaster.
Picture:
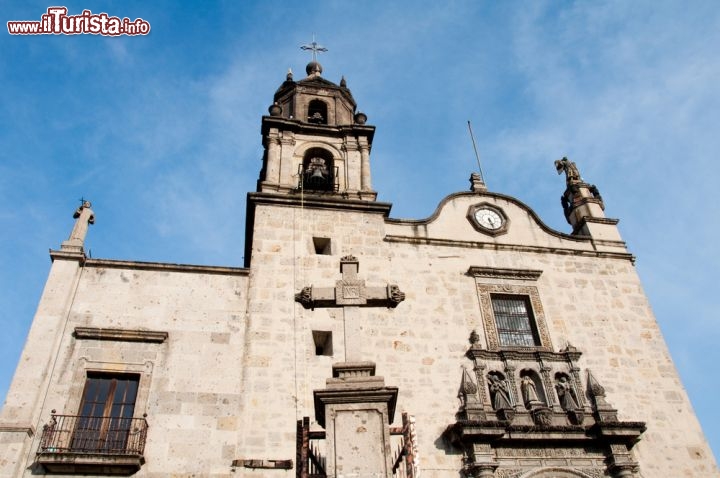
(356, 409)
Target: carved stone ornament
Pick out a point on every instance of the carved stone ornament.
(395, 295)
(604, 412)
(542, 416)
(577, 416)
(596, 195)
(504, 273)
(467, 386)
(474, 337)
(596, 390)
(508, 472)
(305, 297)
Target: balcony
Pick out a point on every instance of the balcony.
(97, 445)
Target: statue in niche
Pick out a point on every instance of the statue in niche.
(572, 174)
(529, 391)
(499, 393)
(566, 394)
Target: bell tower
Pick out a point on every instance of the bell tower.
(316, 142)
(316, 156)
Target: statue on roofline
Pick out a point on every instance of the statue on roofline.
(572, 175)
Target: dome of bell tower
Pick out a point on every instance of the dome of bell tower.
(313, 68)
(316, 141)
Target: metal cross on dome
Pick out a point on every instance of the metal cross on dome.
(315, 48)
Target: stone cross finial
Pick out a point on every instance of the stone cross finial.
(84, 216)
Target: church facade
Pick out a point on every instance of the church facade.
(477, 342)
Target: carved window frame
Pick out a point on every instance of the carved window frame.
(485, 292)
(87, 367)
(91, 360)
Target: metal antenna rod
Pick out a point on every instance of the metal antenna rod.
(477, 156)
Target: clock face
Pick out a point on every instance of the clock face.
(488, 218)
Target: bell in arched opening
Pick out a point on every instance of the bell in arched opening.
(317, 112)
(316, 172)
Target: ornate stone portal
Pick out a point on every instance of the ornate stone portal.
(525, 411)
(355, 408)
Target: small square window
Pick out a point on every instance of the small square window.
(322, 245)
(323, 342)
(514, 321)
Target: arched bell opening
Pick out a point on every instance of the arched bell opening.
(318, 171)
(317, 112)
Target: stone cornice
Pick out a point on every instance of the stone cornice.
(508, 247)
(524, 354)
(122, 335)
(380, 394)
(301, 127)
(504, 432)
(169, 267)
(17, 428)
(602, 220)
(499, 273)
(320, 202)
(67, 255)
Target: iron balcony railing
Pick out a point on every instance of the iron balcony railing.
(94, 435)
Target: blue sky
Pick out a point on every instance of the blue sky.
(162, 132)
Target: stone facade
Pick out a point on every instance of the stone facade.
(228, 359)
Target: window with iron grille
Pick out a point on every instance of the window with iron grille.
(514, 321)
